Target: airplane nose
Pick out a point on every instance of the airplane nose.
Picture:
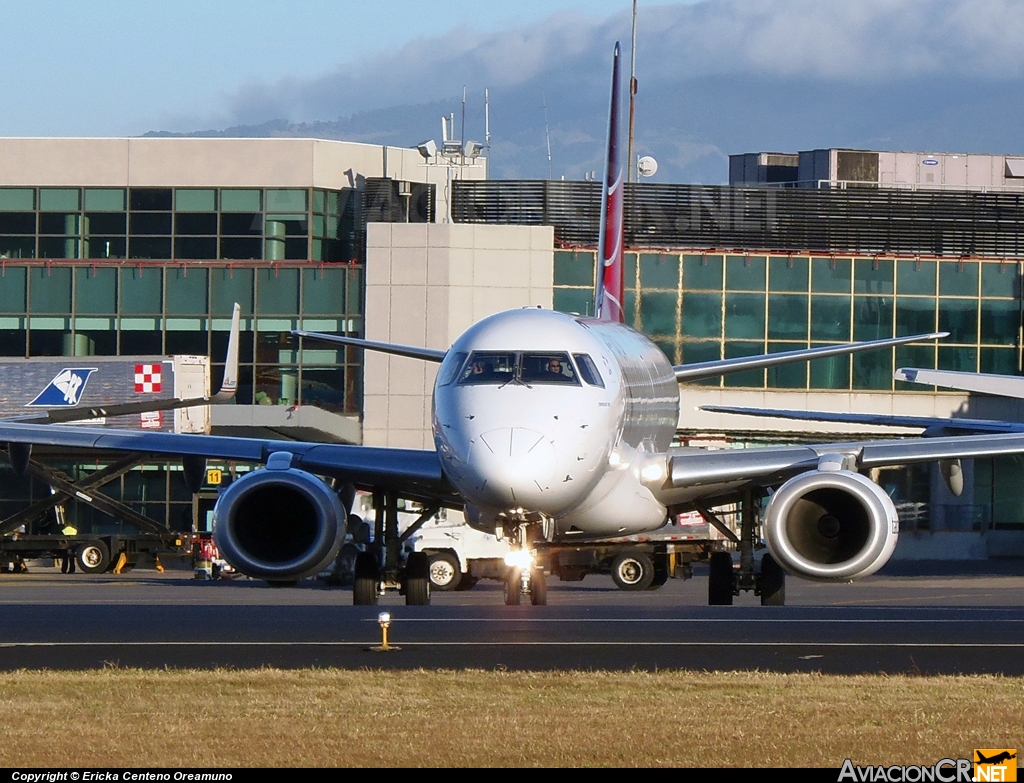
(514, 466)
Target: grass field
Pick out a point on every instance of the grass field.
(318, 718)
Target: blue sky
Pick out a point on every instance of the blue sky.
(120, 67)
(717, 77)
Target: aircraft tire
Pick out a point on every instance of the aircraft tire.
(772, 582)
(445, 571)
(633, 571)
(720, 580)
(660, 572)
(93, 557)
(538, 587)
(417, 579)
(513, 588)
(364, 580)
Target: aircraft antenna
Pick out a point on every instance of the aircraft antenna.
(547, 132)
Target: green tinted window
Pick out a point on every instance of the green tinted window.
(959, 359)
(744, 316)
(228, 286)
(958, 278)
(17, 199)
(702, 315)
(745, 273)
(241, 200)
(915, 277)
(787, 376)
(915, 315)
(1000, 321)
(830, 373)
(186, 291)
(278, 292)
(702, 272)
(787, 317)
(873, 369)
(658, 313)
(141, 291)
(323, 291)
(59, 200)
(873, 276)
(629, 265)
(354, 291)
(334, 202)
(12, 290)
(830, 318)
(572, 268)
(189, 200)
(292, 200)
(104, 199)
(959, 317)
(999, 279)
(831, 275)
(659, 270)
(750, 378)
(788, 273)
(572, 300)
(96, 290)
(922, 356)
(319, 201)
(872, 318)
(1002, 361)
(50, 290)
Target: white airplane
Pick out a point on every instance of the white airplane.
(551, 427)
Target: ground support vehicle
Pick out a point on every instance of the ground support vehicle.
(91, 553)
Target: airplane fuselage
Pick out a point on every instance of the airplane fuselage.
(543, 416)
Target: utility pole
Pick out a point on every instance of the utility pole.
(630, 163)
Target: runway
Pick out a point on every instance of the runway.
(946, 619)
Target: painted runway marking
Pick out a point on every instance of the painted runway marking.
(534, 643)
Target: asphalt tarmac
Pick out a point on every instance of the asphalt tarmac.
(925, 618)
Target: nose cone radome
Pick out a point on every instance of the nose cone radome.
(513, 467)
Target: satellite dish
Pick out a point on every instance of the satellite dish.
(647, 166)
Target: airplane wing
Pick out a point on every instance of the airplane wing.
(983, 383)
(931, 424)
(415, 472)
(411, 351)
(228, 387)
(700, 370)
(765, 466)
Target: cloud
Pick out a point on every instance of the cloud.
(851, 40)
(716, 78)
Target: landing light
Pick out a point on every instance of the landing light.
(653, 472)
(519, 558)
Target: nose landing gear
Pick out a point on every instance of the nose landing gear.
(520, 582)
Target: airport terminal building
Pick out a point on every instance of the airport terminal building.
(141, 246)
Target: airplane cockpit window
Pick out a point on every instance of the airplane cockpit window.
(588, 370)
(547, 368)
(450, 367)
(489, 367)
(501, 367)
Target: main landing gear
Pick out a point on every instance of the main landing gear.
(725, 581)
(381, 568)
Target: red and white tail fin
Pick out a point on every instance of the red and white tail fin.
(608, 292)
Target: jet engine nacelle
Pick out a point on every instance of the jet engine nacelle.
(831, 525)
(279, 524)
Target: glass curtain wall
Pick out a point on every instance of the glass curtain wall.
(704, 306)
(282, 224)
(83, 309)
